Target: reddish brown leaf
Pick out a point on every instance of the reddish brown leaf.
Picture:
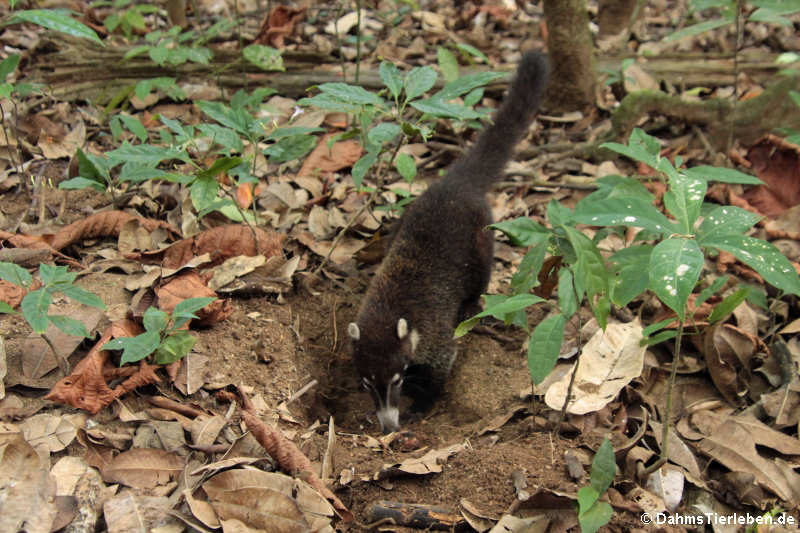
(777, 164)
(192, 285)
(279, 24)
(101, 224)
(324, 159)
(244, 195)
(11, 294)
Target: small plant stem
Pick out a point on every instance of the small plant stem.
(663, 456)
(62, 361)
(737, 18)
(358, 39)
(563, 414)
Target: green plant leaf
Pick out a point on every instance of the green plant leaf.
(632, 212)
(6, 309)
(418, 81)
(591, 270)
(684, 199)
(587, 496)
(725, 220)
(221, 165)
(290, 148)
(134, 348)
(522, 231)
(544, 346)
(722, 175)
(174, 347)
(83, 296)
(80, 183)
(188, 307)
(237, 119)
(652, 328)
(439, 108)
(159, 54)
(56, 275)
(291, 131)
(8, 65)
(361, 167)
(710, 291)
(330, 103)
(383, 133)
(595, 516)
(34, 308)
(69, 325)
(391, 77)
(472, 51)
(697, 29)
(57, 20)
(147, 154)
(727, 306)
(203, 192)
(466, 83)
(500, 310)
(226, 137)
(641, 147)
(264, 57)
(675, 267)
(448, 63)
(15, 274)
(567, 299)
(135, 126)
(527, 275)
(604, 467)
(352, 94)
(406, 167)
(761, 256)
(155, 319)
(631, 267)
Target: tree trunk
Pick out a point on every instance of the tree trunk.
(569, 43)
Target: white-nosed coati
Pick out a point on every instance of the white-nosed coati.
(438, 264)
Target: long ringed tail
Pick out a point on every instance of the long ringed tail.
(484, 162)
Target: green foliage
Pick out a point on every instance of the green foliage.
(668, 260)
(264, 57)
(57, 20)
(171, 47)
(767, 11)
(162, 337)
(36, 304)
(593, 513)
(125, 16)
(384, 121)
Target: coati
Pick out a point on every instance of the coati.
(438, 264)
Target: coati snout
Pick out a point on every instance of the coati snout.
(438, 264)
(386, 383)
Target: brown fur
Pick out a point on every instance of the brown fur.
(439, 261)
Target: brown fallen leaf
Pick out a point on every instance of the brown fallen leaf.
(324, 159)
(143, 468)
(103, 224)
(777, 163)
(288, 455)
(11, 294)
(278, 25)
(221, 243)
(87, 388)
(192, 285)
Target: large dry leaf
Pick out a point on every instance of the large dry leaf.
(269, 495)
(221, 243)
(63, 147)
(205, 429)
(48, 433)
(732, 445)
(3, 370)
(37, 356)
(777, 164)
(728, 351)
(103, 224)
(192, 285)
(608, 362)
(131, 513)
(27, 490)
(323, 159)
(143, 468)
(192, 373)
(279, 24)
(430, 463)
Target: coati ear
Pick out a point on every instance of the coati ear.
(402, 328)
(352, 330)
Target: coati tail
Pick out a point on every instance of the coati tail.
(481, 166)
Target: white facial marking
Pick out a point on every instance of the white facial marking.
(353, 331)
(402, 328)
(414, 340)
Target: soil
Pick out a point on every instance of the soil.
(273, 346)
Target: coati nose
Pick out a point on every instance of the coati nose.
(389, 419)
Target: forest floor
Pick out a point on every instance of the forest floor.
(493, 448)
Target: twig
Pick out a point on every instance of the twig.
(302, 391)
